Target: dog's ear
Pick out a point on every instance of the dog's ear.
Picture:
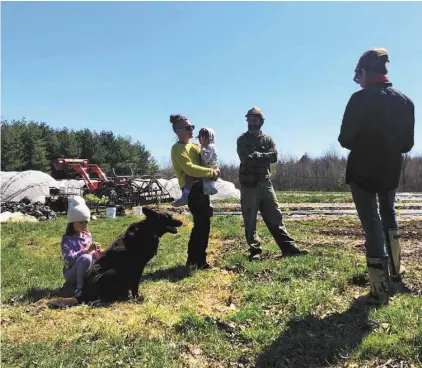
(149, 213)
(132, 229)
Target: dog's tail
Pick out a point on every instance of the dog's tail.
(59, 302)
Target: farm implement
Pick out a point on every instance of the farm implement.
(122, 190)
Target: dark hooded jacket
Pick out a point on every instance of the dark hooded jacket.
(378, 127)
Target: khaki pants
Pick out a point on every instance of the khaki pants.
(263, 198)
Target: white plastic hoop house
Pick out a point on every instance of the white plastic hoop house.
(32, 184)
(226, 189)
(36, 186)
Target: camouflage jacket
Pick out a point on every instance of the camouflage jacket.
(255, 169)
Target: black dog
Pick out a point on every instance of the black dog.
(118, 271)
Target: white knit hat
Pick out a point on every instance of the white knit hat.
(78, 213)
(72, 202)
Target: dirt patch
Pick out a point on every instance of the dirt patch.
(377, 363)
(194, 357)
(412, 230)
(409, 229)
(336, 232)
(338, 206)
(340, 242)
(218, 248)
(235, 207)
(349, 234)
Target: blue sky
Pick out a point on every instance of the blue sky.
(127, 66)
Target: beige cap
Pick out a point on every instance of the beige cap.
(255, 111)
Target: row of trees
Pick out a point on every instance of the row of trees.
(325, 173)
(33, 146)
(320, 173)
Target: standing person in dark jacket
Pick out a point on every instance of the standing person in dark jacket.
(256, 151)
(378, 127)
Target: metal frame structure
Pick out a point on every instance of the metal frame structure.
(151, 191)
(120, 189)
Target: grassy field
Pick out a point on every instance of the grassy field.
(309, 197)
(314, 197)
(294, 312)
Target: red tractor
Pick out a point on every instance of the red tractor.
(119, 189)
(93, 176)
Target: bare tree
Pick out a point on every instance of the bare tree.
(166, 169)
(324, 173)
(230, 172)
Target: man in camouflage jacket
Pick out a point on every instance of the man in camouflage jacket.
(256, 152)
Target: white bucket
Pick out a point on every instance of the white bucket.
(137, 210)
(111, 212)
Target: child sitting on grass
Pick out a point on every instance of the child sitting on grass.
(209, 158)
(78, 249)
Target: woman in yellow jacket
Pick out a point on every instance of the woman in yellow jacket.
(186, 162)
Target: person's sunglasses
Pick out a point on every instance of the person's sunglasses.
(190, 127)
(83, 222)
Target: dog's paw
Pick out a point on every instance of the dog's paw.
(100, 304)
(137, 299)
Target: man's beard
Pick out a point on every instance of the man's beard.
(254, 129)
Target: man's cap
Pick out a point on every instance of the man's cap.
(374, 60)
(255, 111)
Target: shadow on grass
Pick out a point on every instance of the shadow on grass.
(314, 342)
(398, 287)
(172, 274)
(33, 295)
(64, 296)
(66, 293)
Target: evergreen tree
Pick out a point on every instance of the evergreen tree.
(52, 146)
(34, 146)
(11, 151)
(69, 145)
(39, 159)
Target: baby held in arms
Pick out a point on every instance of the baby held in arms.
(209, 158)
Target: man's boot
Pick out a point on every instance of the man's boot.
(394, 251)
(285, 242)
(379, 279)
(290, 249)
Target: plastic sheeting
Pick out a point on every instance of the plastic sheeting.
(226, 189)
(16, 217)
(36, 186)
(72, 186)
(32, 184)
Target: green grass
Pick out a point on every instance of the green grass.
(273, 313)
(306, 197)
(314, 197)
